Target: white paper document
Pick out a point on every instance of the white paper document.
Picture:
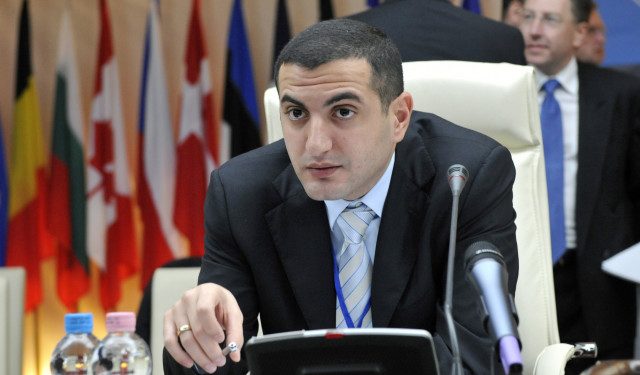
(625, 264)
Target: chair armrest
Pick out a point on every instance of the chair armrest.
(552, 359)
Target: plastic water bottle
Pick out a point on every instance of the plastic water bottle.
(122, 351)
(74, 350)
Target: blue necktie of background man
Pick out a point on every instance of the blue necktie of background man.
(551, 121)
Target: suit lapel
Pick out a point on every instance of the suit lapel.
(300, 230)
(396, 249)
(593, 138)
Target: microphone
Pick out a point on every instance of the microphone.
(457, 175)
(486, 269)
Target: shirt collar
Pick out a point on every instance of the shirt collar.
(374, 199)
(568, 77)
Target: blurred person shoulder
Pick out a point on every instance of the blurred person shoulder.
(438, 30)
(610, 78)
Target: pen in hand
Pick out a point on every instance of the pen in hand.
(232, 347)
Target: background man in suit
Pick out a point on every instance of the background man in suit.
(438, 30)
(274, 243)
(592, 49)
(512, 12)
(598, 145)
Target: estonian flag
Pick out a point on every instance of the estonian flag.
(240, 106)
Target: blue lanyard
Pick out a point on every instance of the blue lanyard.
(343, 305)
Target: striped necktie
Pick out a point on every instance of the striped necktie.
(551, 122)
(354, 268)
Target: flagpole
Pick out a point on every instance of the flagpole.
(36, 333)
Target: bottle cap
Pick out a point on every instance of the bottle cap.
(121, 322)
(78, 323)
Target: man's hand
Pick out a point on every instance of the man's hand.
(195, 326)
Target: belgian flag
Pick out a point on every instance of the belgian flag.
(28, 240)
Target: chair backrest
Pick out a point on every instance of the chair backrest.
(500, 101)
(12, 284)
(168, 286)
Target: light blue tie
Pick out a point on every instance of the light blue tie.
(551, 121)
(355, 266)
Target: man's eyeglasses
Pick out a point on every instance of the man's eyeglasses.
(547, 19)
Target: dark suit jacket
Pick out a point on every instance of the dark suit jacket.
(269, 243)
(607, 202)
(438, 30)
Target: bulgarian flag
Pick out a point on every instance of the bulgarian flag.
(156, 157)
(28, 240)
(110, 233)
(199, 139)
(67, 212)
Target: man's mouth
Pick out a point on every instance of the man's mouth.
(322, 170)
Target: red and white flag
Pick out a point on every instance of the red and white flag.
(199, 139)
(111, 241)
(156, 157)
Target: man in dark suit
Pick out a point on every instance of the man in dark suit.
(274, 244)
(438, 30)
(599, 196)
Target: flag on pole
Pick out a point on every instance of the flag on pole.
(4, 201)
(67, 212)
(156, 156)
(28, 239)
(198, 149)
(110, 228)
(326, 10)
(282, 31)
(240, 105)
(472, 6)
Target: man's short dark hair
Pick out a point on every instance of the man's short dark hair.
(340, 39)
(581, 9)
(505, 6)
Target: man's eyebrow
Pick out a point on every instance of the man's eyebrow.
(289, 99)
(334, 99)
(342, 96)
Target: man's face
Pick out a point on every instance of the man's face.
(592, 48)
(551, 34)
(338, 138)
(513, 15)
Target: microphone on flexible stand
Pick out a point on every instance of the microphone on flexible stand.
(485, 267)
(457, 175)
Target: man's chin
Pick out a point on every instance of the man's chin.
(536, 56)
(323, 192)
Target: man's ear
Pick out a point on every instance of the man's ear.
(401, 109)
(580, 33)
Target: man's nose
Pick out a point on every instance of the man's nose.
(318, 137)
(534, 28)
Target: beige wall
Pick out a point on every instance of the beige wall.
(45, 327)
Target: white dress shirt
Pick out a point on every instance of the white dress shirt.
(374, 199)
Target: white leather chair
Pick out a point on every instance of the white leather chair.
(500, 101)
(168, 286)
(12, 284)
